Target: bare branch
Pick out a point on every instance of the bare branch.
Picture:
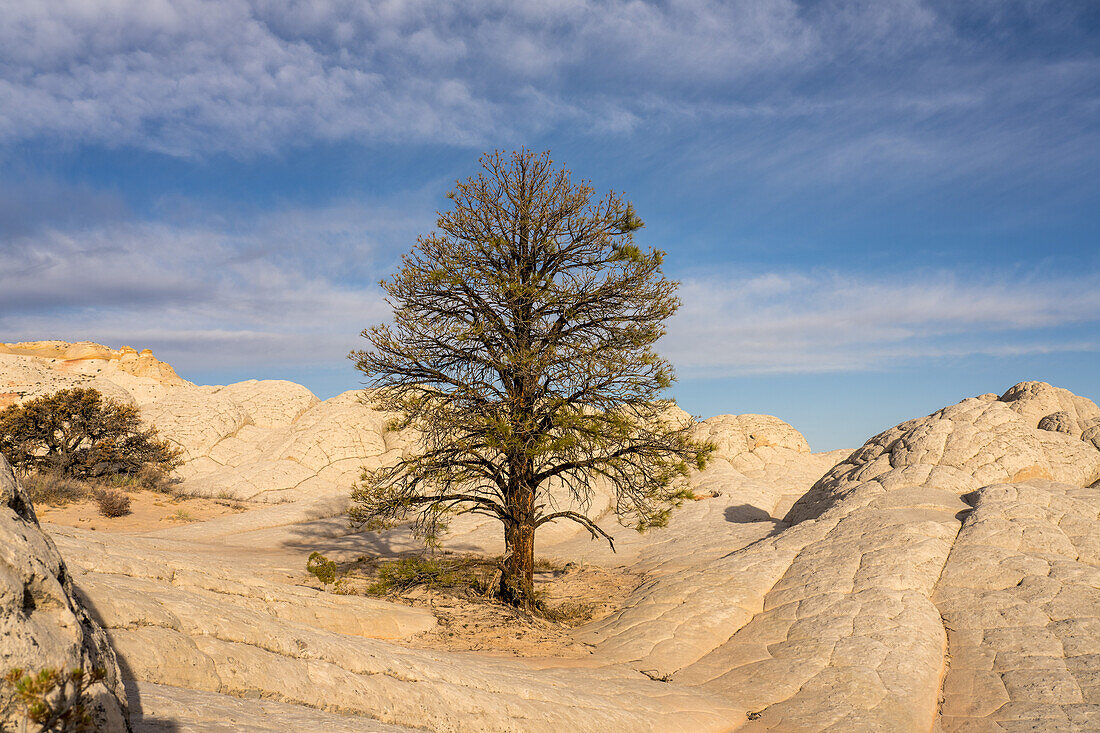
(593, 528)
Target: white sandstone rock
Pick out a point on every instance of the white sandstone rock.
(954, 554)
(42, 625)
(985, 441)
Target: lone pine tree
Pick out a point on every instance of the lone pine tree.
(521, 352)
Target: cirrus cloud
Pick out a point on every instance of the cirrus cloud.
(255, 293)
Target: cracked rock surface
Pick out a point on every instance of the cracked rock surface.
(943, 576)
(1020, 599)
(42, 622)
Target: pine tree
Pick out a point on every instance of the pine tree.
(521, 351)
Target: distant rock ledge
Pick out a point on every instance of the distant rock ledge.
(274, 441)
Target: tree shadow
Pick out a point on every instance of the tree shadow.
(139, 722)
(746, 513)
(335, 536)
(395, 542)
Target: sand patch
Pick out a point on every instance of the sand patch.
(149, 510)
(573, 595)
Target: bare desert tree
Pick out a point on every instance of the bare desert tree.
(521, 351)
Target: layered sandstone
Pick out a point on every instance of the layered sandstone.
(944, 576)
(42, 623)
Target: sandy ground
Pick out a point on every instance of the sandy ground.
(580, 593)
(149, 510)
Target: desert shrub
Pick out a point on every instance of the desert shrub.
(79, 433)
(322, 568)
(474, 572)
(394, 577)
(158, 477)
(112, 502)
(52, 700)
(569, 613)
(470, 577)
(409, 572)
(54, 487)
(149, 477)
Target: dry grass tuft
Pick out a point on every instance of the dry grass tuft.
(112, 503)
(54, 488)
(148, 477)
(182, 515)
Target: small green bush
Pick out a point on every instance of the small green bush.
(481, 574)
(52, 700)
(410, 572)
(322, 568)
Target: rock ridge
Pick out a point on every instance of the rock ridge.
(42, 623)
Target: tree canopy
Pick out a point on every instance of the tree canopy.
(82, 434)
(521, 352)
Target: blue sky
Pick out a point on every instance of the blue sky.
(875, 207)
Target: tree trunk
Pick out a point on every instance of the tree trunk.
(517, 584)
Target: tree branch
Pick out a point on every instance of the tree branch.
(582, 520)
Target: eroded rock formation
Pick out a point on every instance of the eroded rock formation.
(944, 576)
(271, 441)
(977, 442)
(42, 624)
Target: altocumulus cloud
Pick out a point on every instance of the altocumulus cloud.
(195, 77)
(192, 77)
(788, 94)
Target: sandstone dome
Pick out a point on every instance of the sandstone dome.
(1032, 431)
(943, 576)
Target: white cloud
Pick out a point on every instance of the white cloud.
(289, 288)
(294, 288)
(778, 92)
(826, 321)
(790, 93)
(190, 77)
